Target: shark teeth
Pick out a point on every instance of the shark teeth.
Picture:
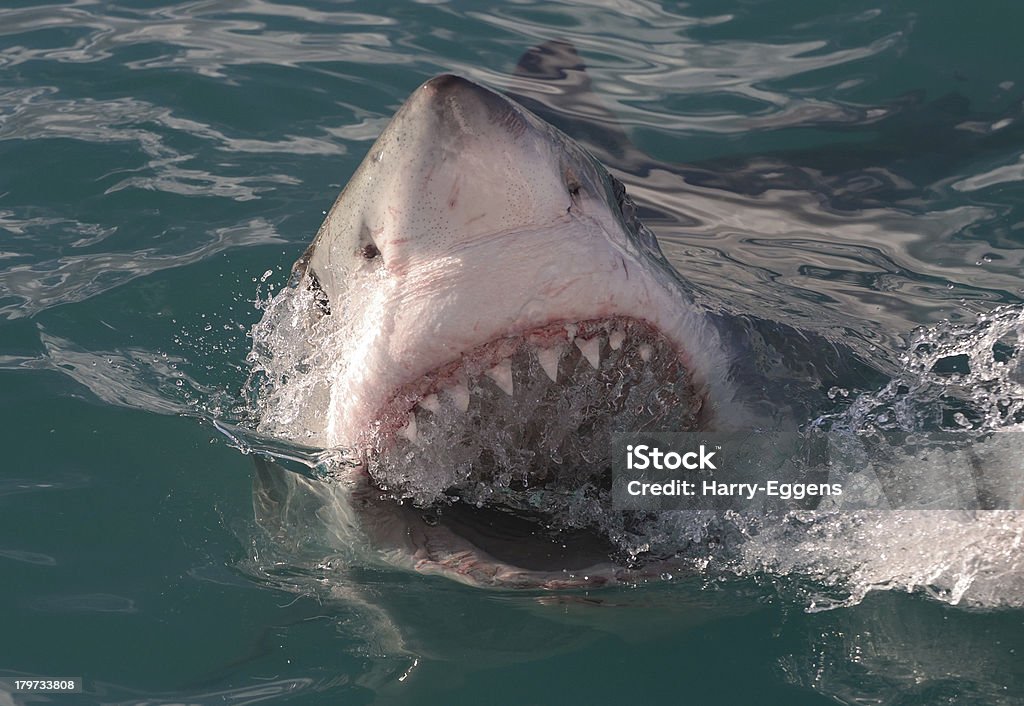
(431, 403)
(626, 368)
(548, 359)
(460, 396)
(409, 430)
(616, 339)
(591, 350)
(502, 376)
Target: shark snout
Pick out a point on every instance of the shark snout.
(464, 108)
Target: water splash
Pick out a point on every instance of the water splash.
(945, 520)
(962, 377)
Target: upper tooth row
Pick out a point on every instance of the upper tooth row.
(548, 358)
(501, 373)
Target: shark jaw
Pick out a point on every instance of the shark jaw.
(533, 411)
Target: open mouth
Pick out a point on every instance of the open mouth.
(525, 419)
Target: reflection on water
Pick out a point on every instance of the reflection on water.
(893, 650)
(34, 287)
(855, 174)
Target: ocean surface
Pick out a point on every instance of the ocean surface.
(853, 172)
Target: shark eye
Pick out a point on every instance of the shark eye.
(369, 251)
(574, 189)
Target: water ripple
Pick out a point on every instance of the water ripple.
(28, 557)
(31, 288)
(205, 37)
(635, 68)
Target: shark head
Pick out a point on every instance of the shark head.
(488, 272)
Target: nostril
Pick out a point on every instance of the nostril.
(574, 188)
(572, 183)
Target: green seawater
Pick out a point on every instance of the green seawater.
(163, 165)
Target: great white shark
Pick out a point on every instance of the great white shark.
(483, 272)
(483, 307)
(494, 310)
(482, 265)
